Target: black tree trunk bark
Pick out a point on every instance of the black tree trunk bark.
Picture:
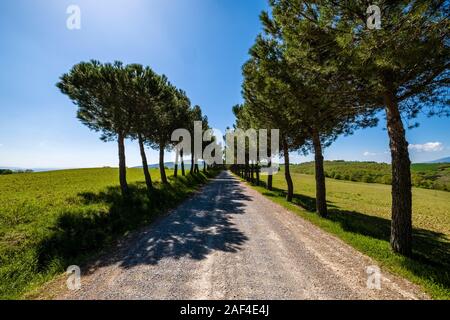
(183, 173)
(321, 195)
(247, 171)
(162, 170)
(122, 165)
(287, 173)
(269, 178)
(257, 174)
(175, 167)
(401, 225)
(148, 178)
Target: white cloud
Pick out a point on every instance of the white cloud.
(369, 154)
(427, 147)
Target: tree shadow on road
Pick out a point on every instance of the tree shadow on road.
(197, 227)
(201, 225)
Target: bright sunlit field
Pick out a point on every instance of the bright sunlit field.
(359, 214)
(53, 219)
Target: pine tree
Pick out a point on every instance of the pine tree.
(402, 68)
(97, 90)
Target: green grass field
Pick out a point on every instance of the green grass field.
(54, 219)
(50, 220)
(424, 175)
(360, 215)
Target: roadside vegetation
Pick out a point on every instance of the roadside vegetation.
(359, 214)
(51, 220)
(423, 175)
(316, 71)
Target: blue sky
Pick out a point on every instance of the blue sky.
(199, 44)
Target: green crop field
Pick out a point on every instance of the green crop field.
(50, 220)
(54, 219)
(359, 214)
(424, 175)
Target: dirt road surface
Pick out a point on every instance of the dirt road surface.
(230, 242)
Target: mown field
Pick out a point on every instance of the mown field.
(50, 220)
(424, 175)
(359, 214)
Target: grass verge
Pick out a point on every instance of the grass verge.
(357, 215)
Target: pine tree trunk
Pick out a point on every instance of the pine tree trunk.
(122, 164)
(321, 196)
(162, 170)
(247, 171)
(257, 175)
(269, 178)
(252, 173)
(183, 173)
(204, 167)
(269, 165)
(175, 169)
(401, 225)
(148, 178)
(287, 173)
(192, 164)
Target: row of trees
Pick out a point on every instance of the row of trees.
(132, 102)
(317, 72)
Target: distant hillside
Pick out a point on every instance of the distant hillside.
(170, 165)
(424, 175)
(443, 160)
(4, 171)
(19, 169)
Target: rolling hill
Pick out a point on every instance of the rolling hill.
(442, 160)
(424, 175)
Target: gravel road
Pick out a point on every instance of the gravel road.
(230, 242)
